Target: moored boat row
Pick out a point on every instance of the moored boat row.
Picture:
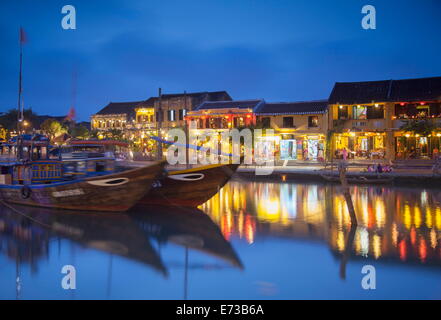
(83, 177)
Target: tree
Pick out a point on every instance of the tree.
(3, 134)
(114, 134)
(52, 128)
(94, 134)
(80, 132)
(8, 120)
(421, 127)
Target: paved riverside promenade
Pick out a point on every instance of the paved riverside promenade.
(405, 172)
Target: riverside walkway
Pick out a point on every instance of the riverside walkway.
(405, 172)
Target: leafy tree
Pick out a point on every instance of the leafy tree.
(93, 134)
(52, 128)
(8, 120)
(3, 134)
(114, 134)
(421, 127)
(80, 132)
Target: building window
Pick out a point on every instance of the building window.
(145, 118)
(239, 122)
(375, 112)
(313, 121)
(159, 116)
(359, 112)
(171, 115)
(182, 113)
(343, 113)
(288, 122)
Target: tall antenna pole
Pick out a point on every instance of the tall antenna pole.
(20, 88)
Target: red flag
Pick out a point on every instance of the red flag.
(71, 115)
(23, 37)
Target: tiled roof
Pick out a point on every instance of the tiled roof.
(359, 92)
(213, 95)
(416, 89)
(241, 104)
(208, 96)
(301, 107)
(387, 90)
(119, 108)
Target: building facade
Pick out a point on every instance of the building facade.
(370, 120)
(390, 119)
(139, 120)
(224, 115)
(300, 127)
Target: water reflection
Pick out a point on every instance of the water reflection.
(241, 228)
(399, 224)
(26, 234)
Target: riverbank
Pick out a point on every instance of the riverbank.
(411, 173)
(412, 177)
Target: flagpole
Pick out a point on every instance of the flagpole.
(19, 110)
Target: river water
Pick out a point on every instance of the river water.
(253, 240)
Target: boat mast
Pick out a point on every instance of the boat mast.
(22, 40)
(20, 87)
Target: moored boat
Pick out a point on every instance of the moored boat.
(189, 187)
(36, 180)
(359, 179)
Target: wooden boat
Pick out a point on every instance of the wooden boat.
(190, 187)
(36, 180)
(114, 192)
(358, 179)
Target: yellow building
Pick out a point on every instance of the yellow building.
(224, 115)
(139, 120)
(366, 119)
(300, 128)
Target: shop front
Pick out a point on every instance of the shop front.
(415, 146)
(360, 145)
(306, 148)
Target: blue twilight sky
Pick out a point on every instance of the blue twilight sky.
(280, 50)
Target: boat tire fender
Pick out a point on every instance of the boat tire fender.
(25, 192)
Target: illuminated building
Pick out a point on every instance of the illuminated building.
(300, 127)
(138, 120)
(366, 118)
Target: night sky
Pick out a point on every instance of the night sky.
(278, 50)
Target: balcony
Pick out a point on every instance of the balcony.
(143, 125)
(397, 123)
(365, 124)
